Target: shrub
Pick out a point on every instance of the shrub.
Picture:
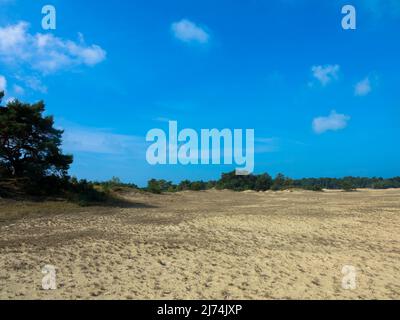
(84, 193)
(160, 186)
(347, 186)
(263, 182)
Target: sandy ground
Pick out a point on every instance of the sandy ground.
(205, 245)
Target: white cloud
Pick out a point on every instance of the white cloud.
(3, 83)
(188, 31)
(45, 53)
(363, 88)
(332, 122)
(33, 83)
(325, 74)
(99, 141)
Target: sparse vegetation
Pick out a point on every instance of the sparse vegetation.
(115, 185)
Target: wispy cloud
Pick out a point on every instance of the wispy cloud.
(187, 31)
(100, 141)
(32, 82)
(266, 145)
(333, 122)
(45, 53)
(325, 74)
(363, 87)
(18, 90)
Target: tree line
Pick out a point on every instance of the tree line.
(264, 182)
(32, 162)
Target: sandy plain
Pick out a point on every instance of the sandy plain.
(205, 245)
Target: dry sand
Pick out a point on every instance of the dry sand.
(205, 245)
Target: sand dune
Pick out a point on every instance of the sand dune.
(205, 245)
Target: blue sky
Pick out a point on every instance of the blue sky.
(323, 101)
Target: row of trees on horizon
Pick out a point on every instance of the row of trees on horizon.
(30, 153)
(265, 182)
